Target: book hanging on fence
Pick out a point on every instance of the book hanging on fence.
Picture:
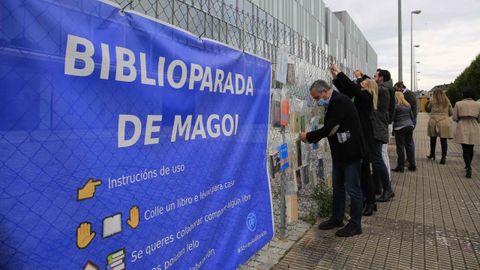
(284, 112)
(292, 156)
(298, 179)
(305, 153)
(291, 73)
(283, 157)
(295, 111)
(313, 179)
(302, 123)
(294, 122)
(281, 67)
(292, 207)
(274, 163)
(275, 111)
(299, 152)
(320, 169)
(321, 116)
(305, 176)
(314, 126)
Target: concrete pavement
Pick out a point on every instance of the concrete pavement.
(432, 223)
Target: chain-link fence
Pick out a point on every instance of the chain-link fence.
(239, 23)
(244, 26)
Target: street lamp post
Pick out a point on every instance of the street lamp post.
(412, 72)
(411, 45)
(416, 81)
(400, 57)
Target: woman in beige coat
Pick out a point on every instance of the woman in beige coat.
(440, 125)
(467, 115)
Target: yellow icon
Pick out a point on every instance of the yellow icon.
(134, 217)
(84, 235)
(88, 190)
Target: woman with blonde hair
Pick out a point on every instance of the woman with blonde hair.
(365, 98)
(439, 125)
(403, 125)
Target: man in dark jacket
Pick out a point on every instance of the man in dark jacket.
(363, 101)
(342, 127)
(382, 117)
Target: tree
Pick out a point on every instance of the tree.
(468, 79)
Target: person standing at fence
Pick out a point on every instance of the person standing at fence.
(439, 125)
(381, 133)
(467, 115)
(365, 95)
(403, 128)
(410, 97)
(388, 83)
(342, 127)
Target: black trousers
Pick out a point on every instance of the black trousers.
(433, 144)
(404, 142)
(367, 183)
(467, 154)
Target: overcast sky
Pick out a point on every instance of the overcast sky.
(448, 32)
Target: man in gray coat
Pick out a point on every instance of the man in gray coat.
(381, 118)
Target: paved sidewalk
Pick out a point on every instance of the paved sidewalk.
(271, 254)
(432, 223)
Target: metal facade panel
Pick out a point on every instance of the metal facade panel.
(317, 25)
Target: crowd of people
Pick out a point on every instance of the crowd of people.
(360, 118)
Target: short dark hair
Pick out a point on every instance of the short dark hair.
(385, 74)
(320, 85)
(400, 84)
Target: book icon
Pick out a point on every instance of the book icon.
(283, 157)
(284, 112)
(112, 225)
(90, 266)
(116, 260)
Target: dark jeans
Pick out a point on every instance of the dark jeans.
(367, 183)
(379, 167)
(346, 177)
(414, 126)
(433, 144)
(467, 154)
(404, 141)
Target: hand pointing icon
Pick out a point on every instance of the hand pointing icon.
(88, 190)
(134, 217)
(84, 235)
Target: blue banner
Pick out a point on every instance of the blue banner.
(126, 143)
